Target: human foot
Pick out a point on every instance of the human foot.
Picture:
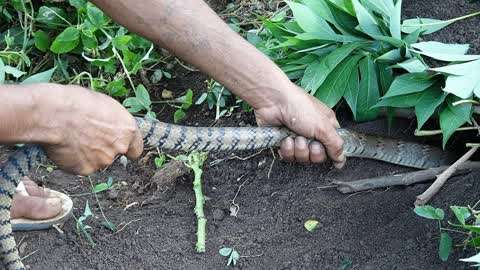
(34, 202)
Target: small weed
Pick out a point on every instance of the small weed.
(232, 255)
(82, 227)
(311, 225)
(160, 160)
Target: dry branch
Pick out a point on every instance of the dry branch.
(404, 179)
(442, 178)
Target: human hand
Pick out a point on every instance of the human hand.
(306, 116)
(86, 130)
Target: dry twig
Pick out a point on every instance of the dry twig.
(442, 178)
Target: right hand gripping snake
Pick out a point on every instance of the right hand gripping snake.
(182, 138)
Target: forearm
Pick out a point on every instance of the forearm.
(22, 117)
(193, 32)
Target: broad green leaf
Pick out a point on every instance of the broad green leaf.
(311, 225)
(395, 19)
(332, 90)
(66, 41)
(383, 7)
(402, 101)
(42, 40)
(2, 71)
(317, 71)
(344, 21)
(121, 42)
(15, 72)
(390, 56)
(444, 52)
(345, 5)
(459, 69)
(453, 117)
(352, 90)
(143, 97)
(322, 9)
(89, 40)
(95, 16)
(116, 88)
(438, 47)
(409, 83)
(234, 257)
(42, 77)
(133, 105)
(429, 212)
(367, 21)
(369, 92)
(412, 37)
(473, 259)
(461, 213)
(426, 25)
(78, 4)
(464, 80)
(385, 76)
(413, 65)
(52, 17)
(308, 20)
(445, 246)
(321, 37)
(428, 102)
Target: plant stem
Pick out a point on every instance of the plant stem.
(195, 162)
(438, 132)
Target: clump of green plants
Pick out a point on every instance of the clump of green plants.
(360, 52)
(467, 224)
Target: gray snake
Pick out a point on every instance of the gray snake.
(182, 138)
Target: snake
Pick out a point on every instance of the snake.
(172, 137)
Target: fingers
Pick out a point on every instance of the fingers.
(300, 151)
(136, 146)
(35, 207)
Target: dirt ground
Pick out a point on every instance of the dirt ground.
(370, 230)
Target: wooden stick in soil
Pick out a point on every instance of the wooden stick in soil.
(425, 197)
(403, 179)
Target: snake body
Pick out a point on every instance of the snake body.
(183, 138)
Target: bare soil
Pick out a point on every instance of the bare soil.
(371, 230)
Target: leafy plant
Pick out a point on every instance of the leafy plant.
(101, 187)
(232, 255)
(186, 103)
(361, 52)
(467, 222)
(82, 227)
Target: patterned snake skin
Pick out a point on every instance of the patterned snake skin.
(182, 138)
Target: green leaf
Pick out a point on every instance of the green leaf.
(367, 22)
(42, 40)
(390, 56)
(332, 90)
(444, 52)
(42, 77)
(121, 42)
(15, 72)
(461, 213)
(428, 102)
(160, 160)
(2, 71)
(369, 92)
(95, 16)
(116, 88)
(109, 225)
(78, 4)
(445, 247)
(383, 7)
(413, 65)
(311, 225)
(100, 187)
(429, 212)
(385, 76)
(340, 19)
(395, 20)
(412, 37)
(89, 40)
(345, 5)
(133, 105)
(234, 257)
(66, 41)
(52, 17)
(352, 90)
(402, 101)
(409, 83)
(225, 252)
(187, 100)
(425, 25)
(143, 97)
(308, 20)
(453, 117)
(317, 71)
(178, 116)
(464, 80)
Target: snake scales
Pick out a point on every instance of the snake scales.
(183, 138)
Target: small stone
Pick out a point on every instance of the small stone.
(166, 94)
(218, 214)
(124, 161)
